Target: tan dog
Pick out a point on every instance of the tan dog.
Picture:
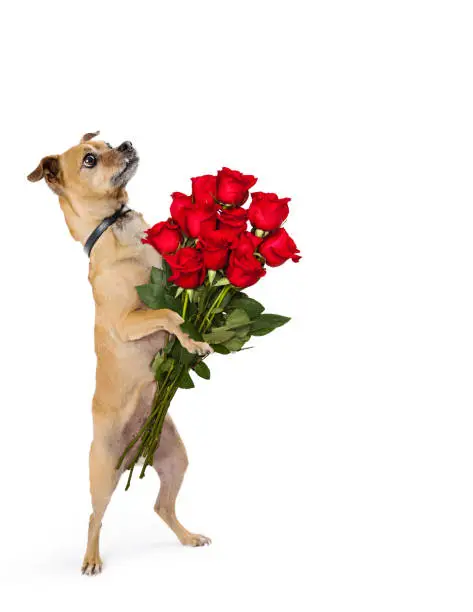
(90, 180)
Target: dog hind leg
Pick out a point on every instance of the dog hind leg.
(103, 481)
(171, 462)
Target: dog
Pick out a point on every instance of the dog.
(90, 180)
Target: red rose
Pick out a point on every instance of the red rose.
(244, 270)
(247, 243)
(233, 220)
(233, 186)
(201, 219)
(187, 266)
(215, 246)
(267, 211)
(192, 218)
(165, 237)
(180, 206)
(278, 248)
(204, 189)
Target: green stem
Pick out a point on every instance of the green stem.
(211, 314)
(155, 435)
(156, 432)
(164, 404)
(150, 439)
(186, 302)
(146, 425)
(147, 431)
(136, 438)
(207, 320)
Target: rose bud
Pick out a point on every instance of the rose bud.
(233, 186)
(215, 246)
(187, 267)
(165, 237)
(278, 248)
(244, 270)
(180, 206)
(201, 219)
(267, 211)
(233, 220)
(204, 189)
(247, 243)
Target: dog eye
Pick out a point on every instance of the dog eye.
(89, 160)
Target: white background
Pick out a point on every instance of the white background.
(332, 465)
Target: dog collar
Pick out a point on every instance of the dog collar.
(102, 227)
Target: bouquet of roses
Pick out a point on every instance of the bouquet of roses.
(209, 256)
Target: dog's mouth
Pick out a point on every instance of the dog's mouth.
(130, 165)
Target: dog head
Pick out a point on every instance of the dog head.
(90, 180)
(93, 169)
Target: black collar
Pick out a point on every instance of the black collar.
(102, 226)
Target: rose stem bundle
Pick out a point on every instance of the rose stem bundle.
(150, 432)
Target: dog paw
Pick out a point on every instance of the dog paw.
(193, 346)
(195, 539)
(92, 567)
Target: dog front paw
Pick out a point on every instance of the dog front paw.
(194, 346)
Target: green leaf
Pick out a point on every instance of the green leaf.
(202, 370)
(218, 335)
(171, 302)
(266, 323)
(201, 295)
(175, 352)
(167, 364)
(189, 328)
(185, 381)
(252, 308)
(157, 363)
(151, 295)
(243, 332)
(219, 320)
(183, 356)
(179, 291)
(191, 309)
(221, 349)
(168, 348)
(222, 281)
(262, 332)
(235, 343)
(236, 318)
(161, 364)
(158, 296)
(157, 276)
(166, 269)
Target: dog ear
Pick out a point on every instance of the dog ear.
(49, 169)
(89, 136)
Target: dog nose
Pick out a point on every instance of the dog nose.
(125, 147)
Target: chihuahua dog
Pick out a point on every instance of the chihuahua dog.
(90, 180)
